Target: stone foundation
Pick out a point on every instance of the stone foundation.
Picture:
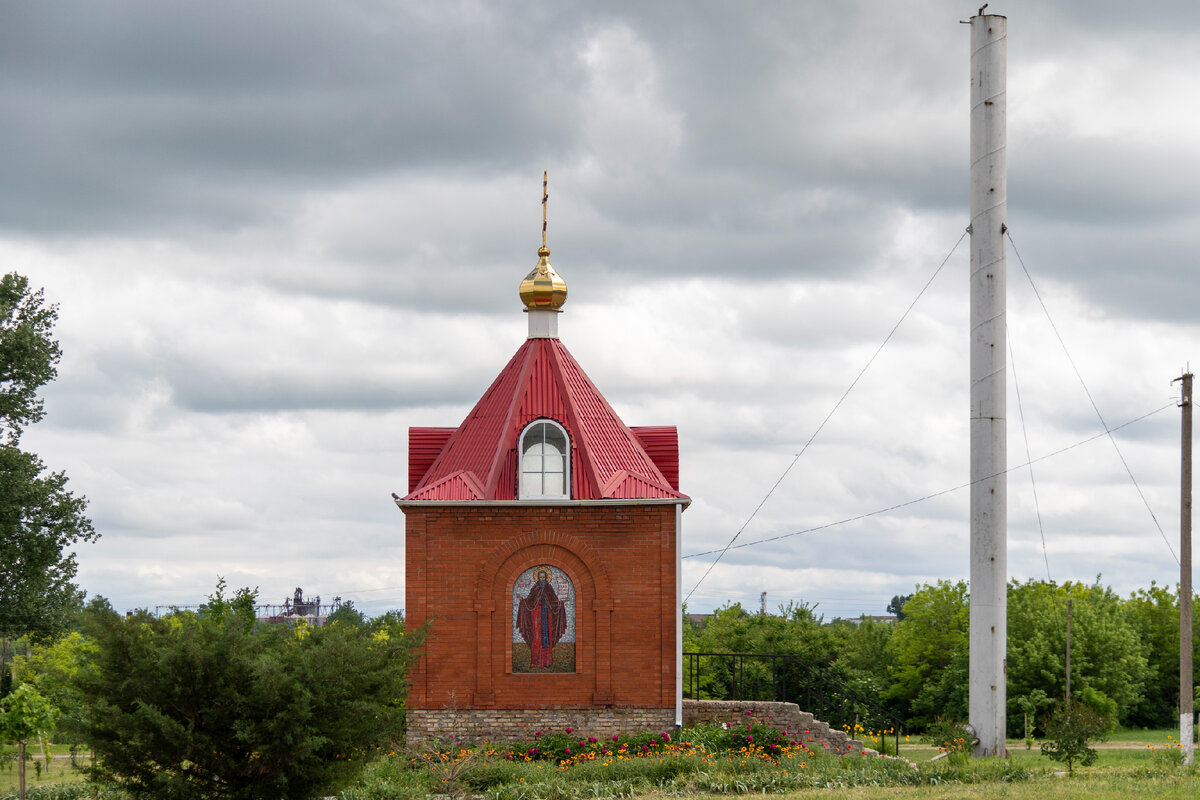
(511, 724)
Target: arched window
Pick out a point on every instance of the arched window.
(545, 464)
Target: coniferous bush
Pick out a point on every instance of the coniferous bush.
(212, 704)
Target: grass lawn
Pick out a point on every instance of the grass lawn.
(1085, 785)
(1143, 736)
(1041, 781)
(1127, 767)
(1135, 740)
(60, 770)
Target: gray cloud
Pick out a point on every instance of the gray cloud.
(281, 235)
(213, 115)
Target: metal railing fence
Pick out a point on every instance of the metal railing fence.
(787, 678)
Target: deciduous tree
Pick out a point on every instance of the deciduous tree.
(929, 648)
(28, 353)
(1154, 614)
(1108, 659)
(897, 605)
(39, 520)
(1070, 730)
(24, 714)
(39, 517)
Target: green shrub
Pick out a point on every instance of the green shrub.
(1069, 729)
(214, 705)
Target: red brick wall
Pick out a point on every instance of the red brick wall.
(461, 563)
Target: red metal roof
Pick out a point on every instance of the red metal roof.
(661, 443)
(478, 460)
(424, 445)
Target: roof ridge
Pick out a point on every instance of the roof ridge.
(448, 447)
(630, 437)
(531, 350)
(579, 442)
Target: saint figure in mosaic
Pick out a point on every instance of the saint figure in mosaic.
(542, 621)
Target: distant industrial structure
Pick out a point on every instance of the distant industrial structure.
(296, 608)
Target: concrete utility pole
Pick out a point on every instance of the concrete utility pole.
(989, 518)
(1186, 698)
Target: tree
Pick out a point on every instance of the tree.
(863, 660)
(28, 354)
(39, 518)
(1108, 660)
(897, 605)
(53, 668)
(929, 648)
(212, 704)
(731, 629)
(23, 715)
(346, 614)
(1069, 730)
(1154, 614)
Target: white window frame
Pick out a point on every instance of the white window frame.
(536, 425)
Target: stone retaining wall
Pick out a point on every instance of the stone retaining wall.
(784, 716)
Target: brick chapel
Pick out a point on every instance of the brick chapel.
(542, 541)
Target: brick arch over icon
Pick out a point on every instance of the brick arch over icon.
(591, 682)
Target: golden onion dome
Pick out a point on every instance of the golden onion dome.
(543, 288)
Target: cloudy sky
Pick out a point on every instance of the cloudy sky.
(279, 234)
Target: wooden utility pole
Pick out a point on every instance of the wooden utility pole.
(1186, 697)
